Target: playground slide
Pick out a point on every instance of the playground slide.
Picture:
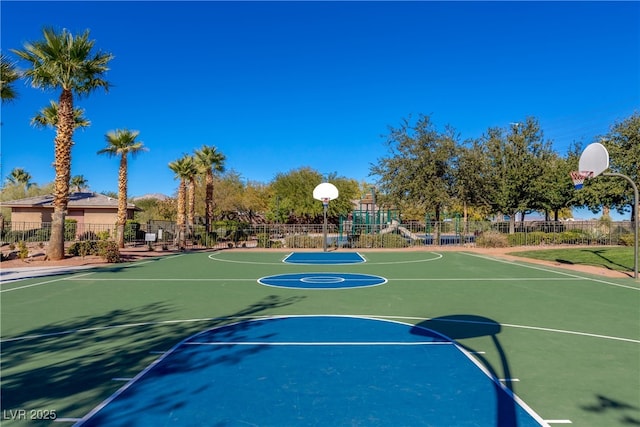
(403, 230)
(406, 233)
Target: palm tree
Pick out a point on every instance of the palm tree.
(19, 176)
(185, 170)
(64, 62)
(121, 143)
(48, 117)
(191, 194)
(78, 183)
(8, 75)
(209, 160)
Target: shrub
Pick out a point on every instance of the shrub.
(108, 249)
(626, 240)
(492, 239)
(389, 240)
(23, 251)
(83, 248)
(572, 237)
(303, 241)
(263, 240)
(42, 234)
(70, 227)
(131, 229)
(88, 235)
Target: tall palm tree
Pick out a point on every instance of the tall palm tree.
(209, 160)
(121, 143)
(191, 194)
(78, 183)
(19, 176)
(62, 61)
(185, 170)
(48, 117)
(8, 75)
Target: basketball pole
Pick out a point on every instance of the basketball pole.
(635, 219)
(325, 205)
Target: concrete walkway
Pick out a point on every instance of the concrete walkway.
(13, 274)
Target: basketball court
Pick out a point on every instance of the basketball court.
(247, 337)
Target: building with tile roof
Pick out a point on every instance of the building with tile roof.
(86, 208)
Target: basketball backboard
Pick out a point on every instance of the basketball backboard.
(325, 192)
(594, 159)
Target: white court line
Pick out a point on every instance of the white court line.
(547, 270)
(43, 283)
(321, 344)
(109, 279)
(533, 328)
(212, 319)
(55, 271)
(437, 257)
(486, 279)
(253, 279)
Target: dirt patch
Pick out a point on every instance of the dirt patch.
(37, 257)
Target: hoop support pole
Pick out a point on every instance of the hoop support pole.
(635, 219)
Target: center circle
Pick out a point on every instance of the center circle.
(322, 280)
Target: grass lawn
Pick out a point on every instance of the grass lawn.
(613, 258)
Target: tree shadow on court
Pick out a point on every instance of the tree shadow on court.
(461, 326)
(606, 404)
(70, 366)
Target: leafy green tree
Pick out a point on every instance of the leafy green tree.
(64, 62)
(623, 144)
(604, 192)
(292, 197)
(471, 177)
(8, 76)
(122, 143)
(419, 170)
(516, 159)
(554, 188)
(227, 194)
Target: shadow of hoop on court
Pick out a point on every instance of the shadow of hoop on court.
(464, 326)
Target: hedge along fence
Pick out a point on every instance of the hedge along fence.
(228, 234)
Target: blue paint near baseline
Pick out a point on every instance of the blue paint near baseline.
(314, 370)
(322, 280)
(323, 258)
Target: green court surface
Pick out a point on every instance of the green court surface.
(567, 344)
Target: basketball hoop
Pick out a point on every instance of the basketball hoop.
(578, 178)
(325, 192)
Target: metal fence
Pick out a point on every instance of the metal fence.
(344, 235)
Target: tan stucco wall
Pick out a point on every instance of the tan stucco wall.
(27, 218)
(100, 216)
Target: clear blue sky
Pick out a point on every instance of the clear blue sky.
(281, 85)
